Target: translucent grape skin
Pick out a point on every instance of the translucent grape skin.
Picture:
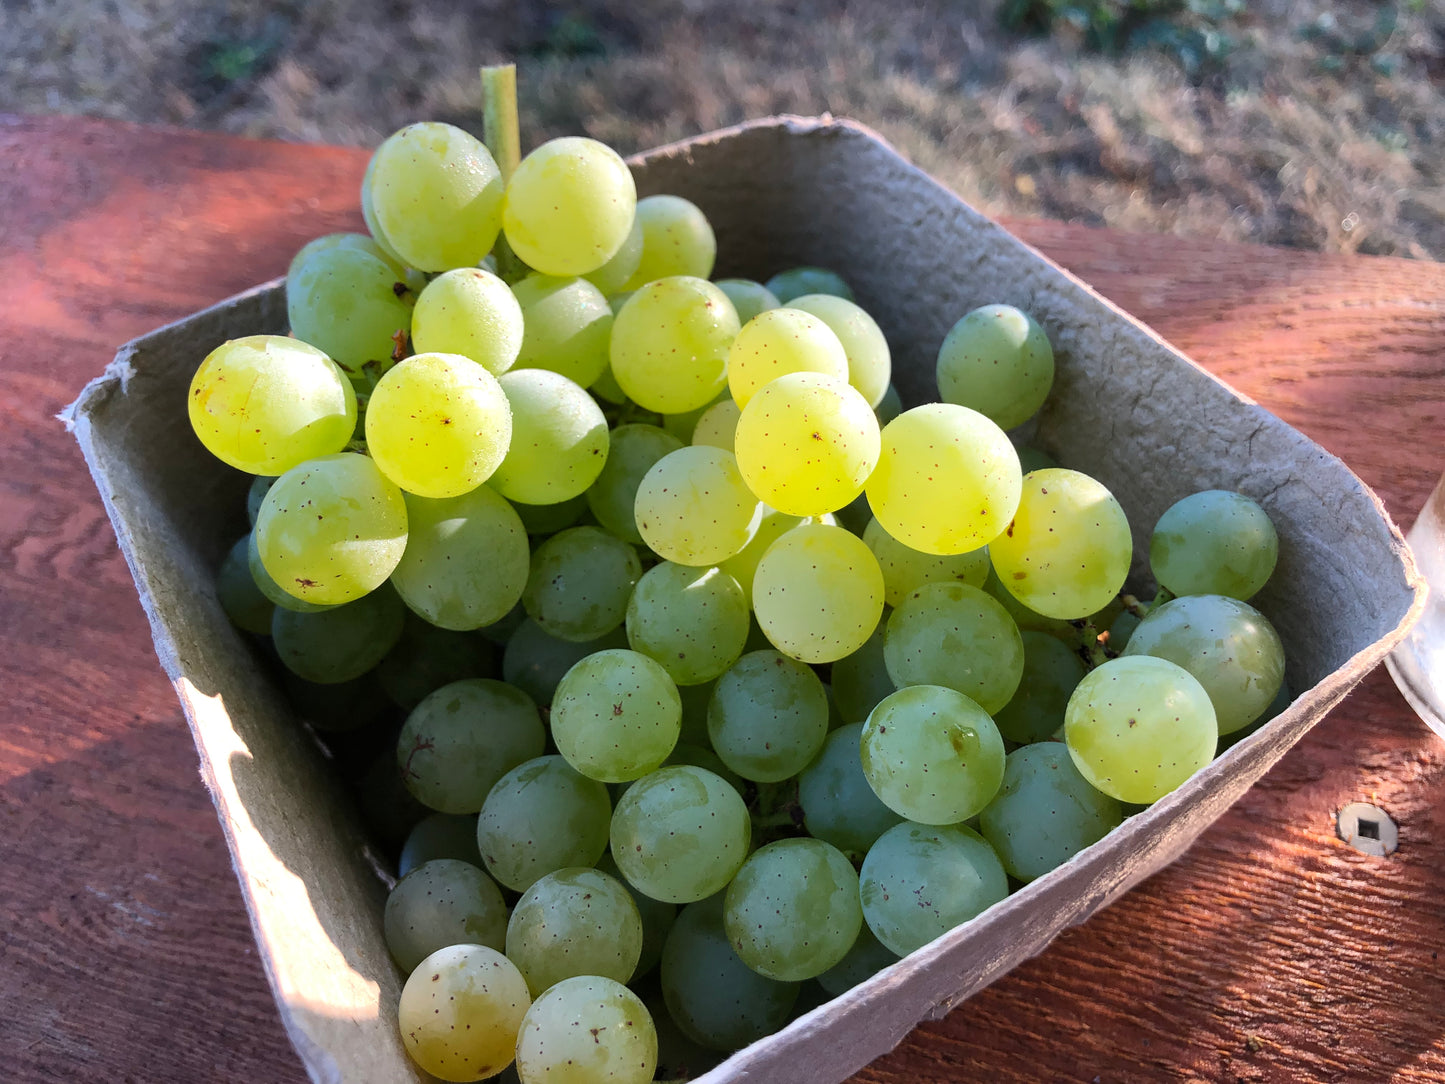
(1067, 552)
(1050, 675)
(1137, 727)
(870, 363)
(567, 326)
(635, 449)
(781, 341)
(677, 239)
(470, 312)
(339, 643)
(464, 737)
(800, 281)
(559, 438)
(996, 360)
(443, 902)
(576, 921)
(587, 1028)
(906, 569)
(839, 807)
(818, 593)
(680, 834)
(776, 885)
(265, 403)
(345, 301)
(768, 717)
(466, 559)
(1045, 812)
(693, 507)
(955, 635)
(616, 716)
(1229, 646)
(670, 342)
(438, 425)
(932, 755)
(460, 1012)
(540, 817)
(1214, 543)
(947, 480)
(692, 621)
(570, 205)
(919, 882)
(580, 583)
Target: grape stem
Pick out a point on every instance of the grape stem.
(502, 133)
(1141, 609)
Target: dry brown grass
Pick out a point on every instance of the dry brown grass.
(1268, 147)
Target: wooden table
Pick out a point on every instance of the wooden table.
(1271, 952)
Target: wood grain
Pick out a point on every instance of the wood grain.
(1271, 952)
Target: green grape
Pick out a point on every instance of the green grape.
(340, 643)
(818, 593)
(932, 755)
(680, 834)
(460, 1012)
(955, 635)
(781, 341)
(839, 807)
(670, 344)
(748, 297)
(919, 882)
(265, 403)
(715, 999)
(584, 1030)
(536, 661)
(1214, 543)
(870, 363)
(778, 885)
(359, 242)
(559, 438)
(807, 443)
(436, 195)
(947, 480)
(342, 707)
(768, 717)
(1068, 549)
(744, 565)
(866, 958)
(466, 559)
(996, 360)
(1137, 727)
(1031, 459)
(861, 680)
(1045, 812)
(718, 425)
(541, 817)
(440, 835)
(616, 715)
(1229, 647)
(677, 239)
(547, 519)
(260, 486)
(889, 407)
(606, 388)
(657, 918)
(368, 214)
(612, 497)
(470, 312)
(684, 426)
(692, 621)
(1050, 675)
(580, 583)
(239, 595)
(570, 205)
(427, 657)
(612, 277)
(438, 425)
(906, 569)
(800, 281)
(575, 921)
(567, 327)
(693, 507)
(464, 737)
(345, 301)
(444, 902)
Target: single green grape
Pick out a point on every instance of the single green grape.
(818, 593)
(612, 277)
(996, 360)
(587, 1029)
(567, 325)
(839, 807)
(670, 341)
(768, 717)
(345, 301)
(781, 341)
(693, 507)
(957, 636)
(870, 363)
(540, 817)
(748, 297)
(580, 584)
(444, 902)
(861, 680)
(866, 958)
(575, 921)
(692, 621)
(612, 497)
(559, 438)
(570, 205)
(798, 282)
(1051, 673)
(677, 239)
(1214, 543)
(470, 312)
(460, 1012)
(616, 716)
(718, 425)
(541, 520)
(906, 569)
(440, 835)
(341, 642)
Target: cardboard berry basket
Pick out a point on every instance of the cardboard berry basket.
(1125, 408)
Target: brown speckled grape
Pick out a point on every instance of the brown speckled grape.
(540, 817)
(818, 593)
(443, 902)
(577, 921)
(692, 621)
(693, 507)
(616, 715)
(460, 1012)
(587, 1030)
(957, 636)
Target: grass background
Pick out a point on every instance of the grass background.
(1312, 124)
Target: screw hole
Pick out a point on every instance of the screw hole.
(1369, 829)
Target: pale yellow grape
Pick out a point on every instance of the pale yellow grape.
(748, 297)
(818, 593)
(559, 438)
(870, 363)
(781, 341)
(265, 403)
(947, 480)
(567, 327)
(693, 507)
(438, 425)
(670, 344)
(718, 425)
(906, 569)
(437, 195)
(570, 205)
(460, 1012)
(612, 277)
(470, 312)
(361, 241)
(806, 443)
(677, 239)
(332, 529)
(771, 527)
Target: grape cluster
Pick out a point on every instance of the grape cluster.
(709, 658)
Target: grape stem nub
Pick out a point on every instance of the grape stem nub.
(502, 133)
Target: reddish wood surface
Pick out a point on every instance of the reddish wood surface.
(1271, 952)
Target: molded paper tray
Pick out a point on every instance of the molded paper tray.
(1126, 408)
